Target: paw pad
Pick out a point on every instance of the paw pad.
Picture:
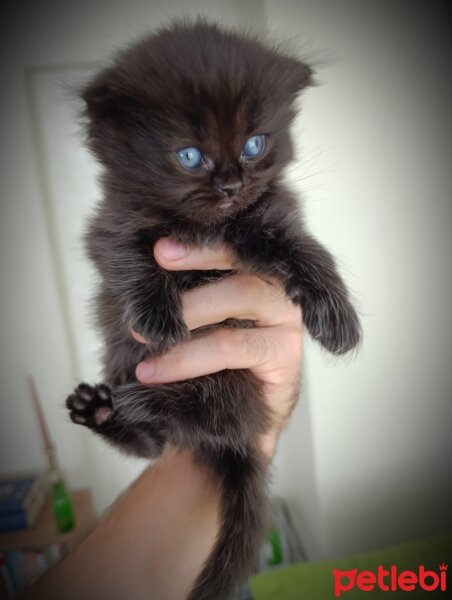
(90, 405)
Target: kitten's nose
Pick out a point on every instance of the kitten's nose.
(230, 188)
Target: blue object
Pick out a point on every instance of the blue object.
(14, 493)
(13, 522)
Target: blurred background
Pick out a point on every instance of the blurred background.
(365, 461)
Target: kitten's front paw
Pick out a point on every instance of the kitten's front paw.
(336, 326)
(330, 318)
(162, 329)
(90, 405)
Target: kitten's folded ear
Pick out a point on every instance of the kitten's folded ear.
(104, 111)
(301, 76)
(99, 95)
(287, 77)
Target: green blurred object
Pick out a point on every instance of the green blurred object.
(274, 542)
(314, 580)
(61, 499)
(62, 507)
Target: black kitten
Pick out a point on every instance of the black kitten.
(191, 126)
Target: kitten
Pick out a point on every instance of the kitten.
(191, 125)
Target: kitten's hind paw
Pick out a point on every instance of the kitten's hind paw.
(90, 405)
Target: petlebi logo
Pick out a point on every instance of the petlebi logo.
(390, 580)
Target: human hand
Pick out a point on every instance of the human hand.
(272, 350)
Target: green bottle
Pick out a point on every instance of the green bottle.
(274, 541)
(62, 506)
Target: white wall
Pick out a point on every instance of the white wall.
(364, 458)
(375, 168)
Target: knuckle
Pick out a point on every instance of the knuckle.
(211, 257)
(224, 342)
(174, 361)
(256, 346)
(248, 287)
(251, 345)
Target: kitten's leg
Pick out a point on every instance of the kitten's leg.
(316, 285)
(223, 409)
(147, 295)
(92, 407)
(155, 312)
(309, 275)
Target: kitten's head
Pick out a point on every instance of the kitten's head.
(193, 121)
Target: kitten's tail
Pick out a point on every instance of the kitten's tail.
(244, 508)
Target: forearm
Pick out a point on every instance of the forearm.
(151, 544)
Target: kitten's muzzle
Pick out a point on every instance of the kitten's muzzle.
(226, 204)
(230, 188)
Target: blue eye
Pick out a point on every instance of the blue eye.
(254, 146)
(190, 157)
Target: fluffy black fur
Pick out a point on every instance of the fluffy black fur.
(198, 85)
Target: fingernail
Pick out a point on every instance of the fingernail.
(146, 370)
(172, 250)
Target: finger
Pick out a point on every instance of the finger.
(239, 297)
(255, 349)
(136, 336)
(174, 256)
